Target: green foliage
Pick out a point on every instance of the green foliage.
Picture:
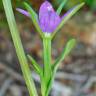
(92, 4)
(1, 6)
(69, 46)
(61, 6)
(71, 3)
(35, 65)
(67, 49)
(19, 48)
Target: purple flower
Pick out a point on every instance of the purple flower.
(48, 19)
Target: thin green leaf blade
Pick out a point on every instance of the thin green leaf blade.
(49, 86)
(35, 14)
(35, 22)
(69, 14)
(19, 48)
(70, 45)
(61, 6)
(35, 65)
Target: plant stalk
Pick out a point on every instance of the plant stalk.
(19, 48)
(47, 71)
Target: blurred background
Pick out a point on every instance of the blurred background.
(77, 73)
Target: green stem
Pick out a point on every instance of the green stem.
(47, 64)
(19, 48)
(47, 57)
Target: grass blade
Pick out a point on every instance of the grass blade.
(70, 45)
(19, 48)
(35, 65)
(61, 7)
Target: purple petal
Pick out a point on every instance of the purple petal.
(48, 18)
(23, 12)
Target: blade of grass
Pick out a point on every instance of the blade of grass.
(61, 7)
(19, 48)
(35, 65)
(70, 45)
(65, 52)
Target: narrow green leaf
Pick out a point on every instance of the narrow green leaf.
(49, 86)
(65, 52)
(69, 14)
(35, 65)
(19, 48)
(61, 6)
(33, 17)
(70, 45)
